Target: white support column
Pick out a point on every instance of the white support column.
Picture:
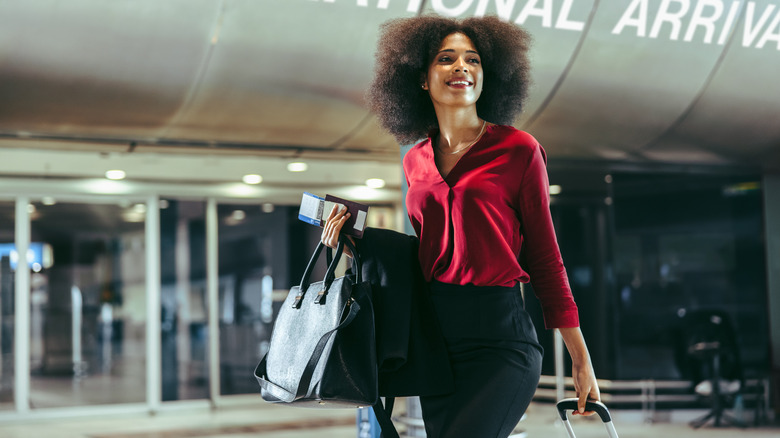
(212, 294)
(560, 374)
(22, 308)
(153, 323)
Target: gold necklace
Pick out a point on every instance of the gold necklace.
(481, 131)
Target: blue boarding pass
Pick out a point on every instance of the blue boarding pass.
(312, 207)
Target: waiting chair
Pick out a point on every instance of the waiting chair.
(712, 344)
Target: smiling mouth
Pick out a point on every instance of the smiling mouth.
(460, 83)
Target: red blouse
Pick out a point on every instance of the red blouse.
(473, 224)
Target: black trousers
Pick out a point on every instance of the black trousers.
(496, 360)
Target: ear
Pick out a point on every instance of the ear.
(424, 81)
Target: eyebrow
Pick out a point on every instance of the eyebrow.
(453, 50)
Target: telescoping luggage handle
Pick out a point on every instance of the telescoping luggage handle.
(570, 404)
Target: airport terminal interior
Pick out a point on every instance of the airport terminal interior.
(154, 154)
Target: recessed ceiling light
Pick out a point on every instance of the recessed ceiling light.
(252, 179)
(375, 183)
(297, 167)
(362, 193)
(555, 189)
(116, 174)
(268, 207)
(48, 200)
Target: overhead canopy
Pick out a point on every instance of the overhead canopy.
(681, 81)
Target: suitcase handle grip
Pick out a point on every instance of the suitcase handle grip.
(571, 404)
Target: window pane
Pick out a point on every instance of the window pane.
(88, 320)
(253, 260)
(687, 245)
(183, 296)
(6, 307)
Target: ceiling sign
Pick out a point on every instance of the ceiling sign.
(706, 21)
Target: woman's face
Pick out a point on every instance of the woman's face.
(455, 75)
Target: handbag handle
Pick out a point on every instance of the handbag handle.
(355, 258)
(310, 267)
(330, 274)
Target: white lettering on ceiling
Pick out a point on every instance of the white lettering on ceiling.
(564, 22)
(724, 33)
(634, 16)
(504, 8)
(667, 15)
(449, 11)
(752, 28)
(760, 26)
(772, 33)
(530, 9)
(706, 21)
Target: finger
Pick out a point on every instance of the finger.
(329, 237)
(332, 229)
(333, 212)
(339, 211)
(583, 398)
(326, 236)
(338, 222)
(336, 213)
(595, 395)
(335, 229)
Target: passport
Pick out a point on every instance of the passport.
(315, 210)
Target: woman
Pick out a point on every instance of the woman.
(479, 202)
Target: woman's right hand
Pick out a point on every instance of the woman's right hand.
(332, 229)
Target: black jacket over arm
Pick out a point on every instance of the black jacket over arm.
(411, 353)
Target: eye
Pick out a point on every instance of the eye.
(474, 60)
(444, 59)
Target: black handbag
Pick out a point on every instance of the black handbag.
(323, 351)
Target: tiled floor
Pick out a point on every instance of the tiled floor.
(263, 420)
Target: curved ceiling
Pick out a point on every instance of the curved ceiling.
(669, 81)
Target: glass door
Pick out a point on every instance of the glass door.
(253, 261)
(6, 306)
(184, 309)
(88, 303)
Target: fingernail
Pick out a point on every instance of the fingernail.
(582, 410)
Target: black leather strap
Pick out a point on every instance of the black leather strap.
(383, 416)
(303, 385)
(355, 257)
(330, 274)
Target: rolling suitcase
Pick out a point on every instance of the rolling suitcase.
(570, 404)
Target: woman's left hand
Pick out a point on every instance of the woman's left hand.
(582, 373)
(585, 385)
